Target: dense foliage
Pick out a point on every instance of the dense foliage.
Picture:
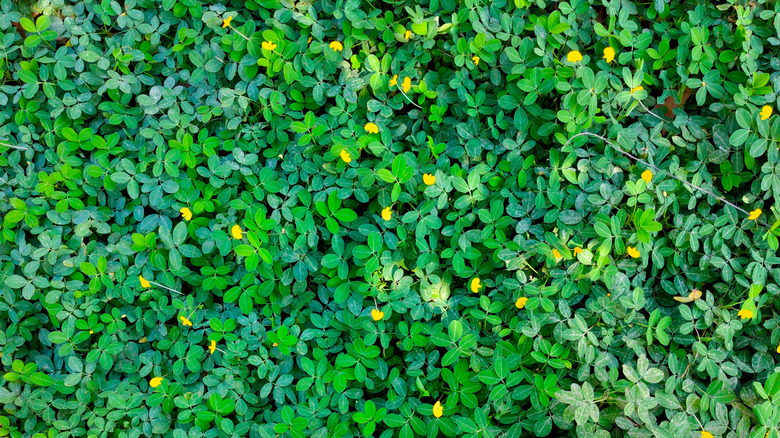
(332, 219)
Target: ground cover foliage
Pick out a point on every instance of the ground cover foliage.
(361, 218)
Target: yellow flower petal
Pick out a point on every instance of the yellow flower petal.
(574, 56)
(337, 46)
(377, 314)
(186, 213)
(371, 128)
(438, 410)
(429, 179)
(635, 89)
(407, 84)
(185, 322)
(387, 213)
(556, 253)
(647, 175)
(633, 252)
(475, 284)
(755, 214)
(268, 45)
(212, 347)
(577, 250)
(144, 282)
(705, 434)
(345, 156)
(226, 21)
(475, 59)
(520, 303)
(766, 111)
(155, 382)
(408, 34)
(237, 232)
(394, 81)
(745, 314)
(778, 349)
(609, 54)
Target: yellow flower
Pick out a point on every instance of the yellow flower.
(335, 45)
(226, 21)
(268, 45)
(693, 296)
(778, 349)
(387, 213)
(520, 303)
(755, 214)
(275, 344)
(144, 282)
(574, 56)
(345, 156)
(556, 253)
(91, 332)
(371, 128)
(438, 410)
(647, 175)
(186, 213)
(705, 434)
(766, 111)
(577, 250)
(475, 284)
(745, 314)
(429, 179)
(212, 347)
(475, 59)
(155, 382)
(633, 252)
(609, 54)
(635, 89)
(377, 314)
(408, 34)
(407, 84)
(185, 322)
(237, 232)
(394, 81)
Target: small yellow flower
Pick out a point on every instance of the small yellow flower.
(268, 45)
(476, 284)
(745, 314)
(438, 410)
(577, 250)
(633, 252)
(185, 322)
(647, 175)
(309, 41)
(520, 303)
(377, 314)
(635, 89)
(237, 232)
(387, 213)
(212, 347)
(275, 344)
(705, 434)
(429, 179)
(766, 111)
(556, 253)
(407, 84)
(345, 156)
(693, 296)
(371, 128)
(186, 213)
(144, 282)
(336, 46)
(609, 54)
(226, 21)
(574, 56)
(394, 81)
(408, 34)
(155, 382)
(475, 59)
(91, 332)
(778, 349)
(755, 214)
